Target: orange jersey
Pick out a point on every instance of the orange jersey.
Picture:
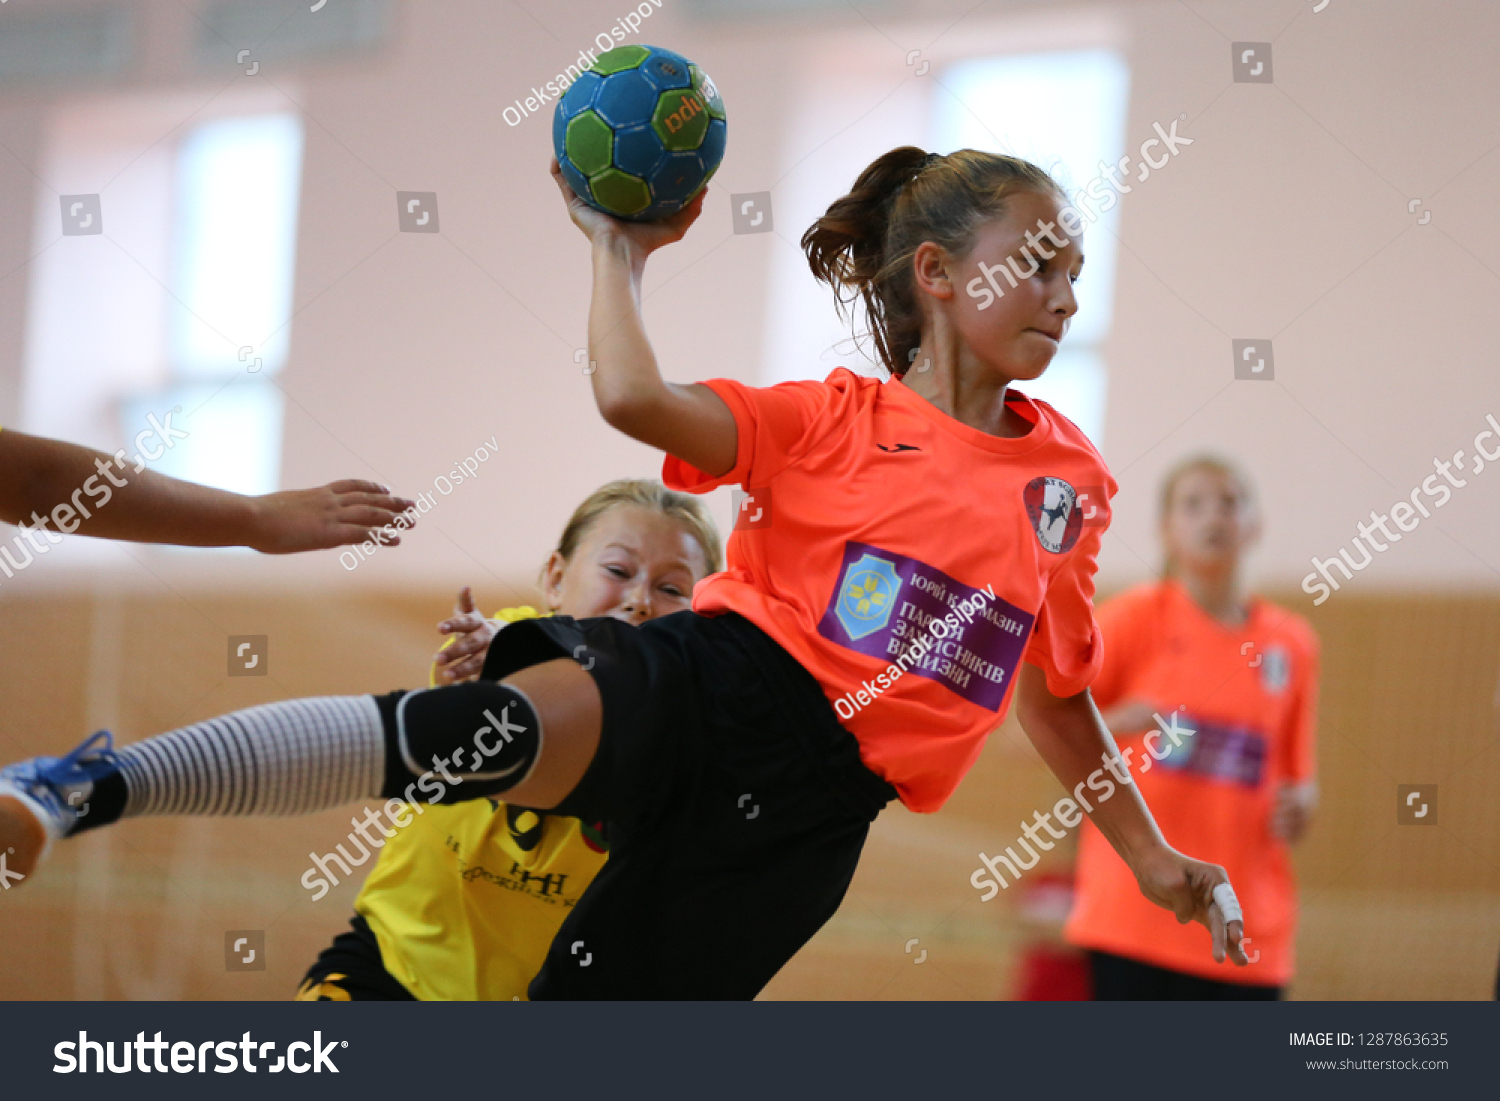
(910, 562)
(1249, 695)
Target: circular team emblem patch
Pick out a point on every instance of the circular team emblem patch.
(1052, 505)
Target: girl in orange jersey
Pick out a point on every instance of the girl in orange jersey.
(913, 556)
(1196, 652)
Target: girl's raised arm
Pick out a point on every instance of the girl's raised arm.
(690, 422)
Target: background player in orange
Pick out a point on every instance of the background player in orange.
(1242, 674)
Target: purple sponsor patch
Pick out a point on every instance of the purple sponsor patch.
(907, 613)
(1218, 751)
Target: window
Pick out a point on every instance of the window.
(1065, 112)
(184, 301)
(229, 322)
(1062, 109)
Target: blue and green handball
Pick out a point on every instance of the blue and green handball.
(640, 133)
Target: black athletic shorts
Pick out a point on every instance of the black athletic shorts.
(736, 806)
(351, 970)
(1121, 979)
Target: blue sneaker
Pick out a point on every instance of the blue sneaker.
(41, 800)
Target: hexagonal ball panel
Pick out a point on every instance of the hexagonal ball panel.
(668, 72)
(638, 150)
(619, 59)
(681, 119)
(710, 92)
(679, 176)
(626, 99)
(619, 192)
(589, 143)
(580, 93)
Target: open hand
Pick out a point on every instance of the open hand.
(647, 236)
(463, 657)
(335, 515)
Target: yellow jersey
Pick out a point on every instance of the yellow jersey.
(465, 899)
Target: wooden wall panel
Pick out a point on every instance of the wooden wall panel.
(139, 911)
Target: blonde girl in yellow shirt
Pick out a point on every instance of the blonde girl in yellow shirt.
(464, 901)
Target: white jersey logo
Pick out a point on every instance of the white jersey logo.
(1275, 670)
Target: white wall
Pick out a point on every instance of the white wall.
(1287, 218)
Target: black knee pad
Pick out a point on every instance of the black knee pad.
(460, 742)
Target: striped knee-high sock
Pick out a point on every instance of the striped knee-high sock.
(292, 757)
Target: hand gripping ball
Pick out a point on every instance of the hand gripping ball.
(640, 133)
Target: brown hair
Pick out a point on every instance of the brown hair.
(1204, 460)
(685, 509)
(863, 246)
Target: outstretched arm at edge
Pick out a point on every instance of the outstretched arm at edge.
(69, 489)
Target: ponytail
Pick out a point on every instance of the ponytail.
(862, 247)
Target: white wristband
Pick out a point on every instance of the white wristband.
(1229, 906)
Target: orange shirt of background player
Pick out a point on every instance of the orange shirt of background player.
(1250, 696)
